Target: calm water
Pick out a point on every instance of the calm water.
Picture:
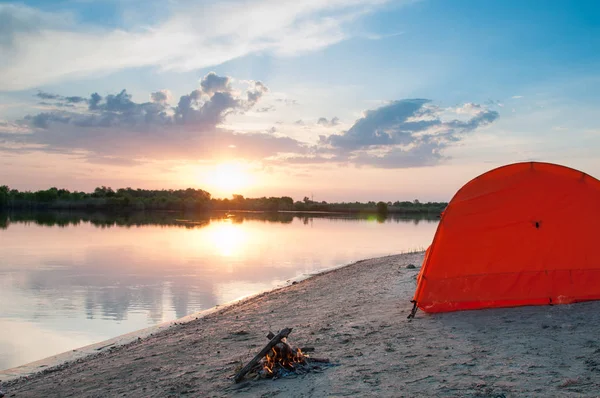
(70, 280)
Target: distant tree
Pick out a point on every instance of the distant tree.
(286, 203)
(4, 195)
(382, 208)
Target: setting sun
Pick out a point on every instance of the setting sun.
(230, 178)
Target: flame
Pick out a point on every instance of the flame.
(282, 356)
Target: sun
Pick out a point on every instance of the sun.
(230, 178)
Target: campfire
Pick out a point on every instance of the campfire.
(279, 359)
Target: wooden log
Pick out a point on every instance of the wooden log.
(276, 339)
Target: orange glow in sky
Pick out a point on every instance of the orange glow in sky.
(228, 178)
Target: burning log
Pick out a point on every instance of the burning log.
(276, 339)
(278, 357)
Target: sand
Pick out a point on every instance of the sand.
(356, 316)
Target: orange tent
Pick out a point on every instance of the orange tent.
(522, 234)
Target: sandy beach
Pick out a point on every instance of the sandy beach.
(356, 317)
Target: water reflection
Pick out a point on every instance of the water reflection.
(79, 278)
(189, 220)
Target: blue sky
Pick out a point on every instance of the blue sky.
(504, 81)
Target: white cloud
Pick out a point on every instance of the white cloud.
(40, 48)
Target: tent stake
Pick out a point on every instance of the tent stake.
(413, 311)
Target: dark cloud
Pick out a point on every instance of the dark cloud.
(212, 83)
(480, 119)
(406, 133)
(43, 120)
(118, 103)
(59, 100)
(95, 99)
(117, 130)
(265, 109)
(160, 96)
(112, 111)
(75, 100)
(46, 96)
(387, 125)
(329, 123)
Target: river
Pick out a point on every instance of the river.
(68, 280)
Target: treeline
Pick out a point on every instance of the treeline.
(398, 207)
(105, 198)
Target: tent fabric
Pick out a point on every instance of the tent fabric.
(522, 234)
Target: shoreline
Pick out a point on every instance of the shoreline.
(81, 353)
(354, 315)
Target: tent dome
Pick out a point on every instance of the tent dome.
(521, 234)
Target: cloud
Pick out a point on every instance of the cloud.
(51, 99)
(213, 84)
(161, 96)
(115, 129)
(406, 133)
(287, 101)
(328, 123)
(111, 160)
(256, 93)
(387, 125)
(42, 120)
(265, 109)
(191, 35)
(422, 155)
(47, 96)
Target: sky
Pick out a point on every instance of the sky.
(338, 100)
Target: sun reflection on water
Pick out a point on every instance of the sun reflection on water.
(228, 239)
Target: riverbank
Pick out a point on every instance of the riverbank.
(356, 316)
